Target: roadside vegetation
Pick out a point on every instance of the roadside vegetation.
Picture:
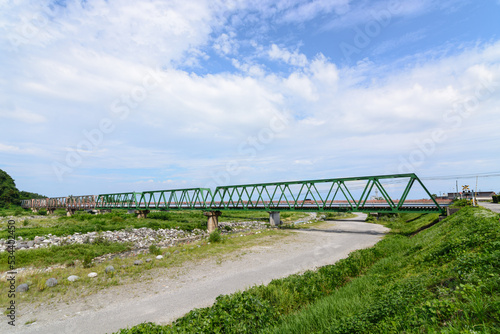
(426, 276)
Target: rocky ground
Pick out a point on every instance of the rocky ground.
(139, 238)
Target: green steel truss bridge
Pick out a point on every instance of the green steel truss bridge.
(369, 194)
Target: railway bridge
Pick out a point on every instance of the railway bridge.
(352, 194)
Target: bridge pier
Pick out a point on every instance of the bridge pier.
(274, 218)
(50, 210)
(70, 212)
(35, 210)
(213, 220)
(142, 213)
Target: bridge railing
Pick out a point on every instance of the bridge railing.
(86, 202)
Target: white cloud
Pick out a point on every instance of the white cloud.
(292, 58)
(226, 44)
(22, 116)
(62, 83)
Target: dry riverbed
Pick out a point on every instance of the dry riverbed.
(163, 294)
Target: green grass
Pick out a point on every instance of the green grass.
(85, 222)
(82, 222)
(44, 257)
(67, 260)
(445, 278)
(14, 210)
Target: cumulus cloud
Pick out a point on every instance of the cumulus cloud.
(144, 70)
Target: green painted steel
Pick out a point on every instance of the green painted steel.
(176, 199)
(353, 194)
(324, 195)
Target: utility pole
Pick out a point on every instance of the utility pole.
(475, 193)
(457, 191)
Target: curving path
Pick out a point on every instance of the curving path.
(165, 298)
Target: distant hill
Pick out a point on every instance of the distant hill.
(9, 194)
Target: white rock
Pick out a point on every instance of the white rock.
(159, 257)
(92, 275)
(73, 278)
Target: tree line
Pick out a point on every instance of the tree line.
(9, 194)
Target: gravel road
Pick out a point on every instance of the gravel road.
(495, 207)
(169, 296)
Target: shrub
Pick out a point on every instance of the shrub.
(42, 212)
(215, 236)
(117, 219)
(461, 202)
(154, 249)
(496, 198)
(87, 261)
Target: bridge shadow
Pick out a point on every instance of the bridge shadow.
(346, 220)
(339, 231)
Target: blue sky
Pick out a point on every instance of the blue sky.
(110, 96)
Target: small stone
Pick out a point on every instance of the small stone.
(123, 266)
(73, 278)
(91, 275)
(23, 287)
(137, 262)
(148, 260)
(176, 252)
(109, 269)
(51, 282)
(159, 257)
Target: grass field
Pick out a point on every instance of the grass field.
(69, 260)
(425, 277)
(60, 225)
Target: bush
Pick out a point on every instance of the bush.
(154, 249)
(461, 202)
(215, 236)
(42, 212)
(87, 261)
(496, 198)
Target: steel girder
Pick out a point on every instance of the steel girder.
(323, 195)
(341, 194)
(177, 199)
(70, 202)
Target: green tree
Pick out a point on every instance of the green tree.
(8, 191)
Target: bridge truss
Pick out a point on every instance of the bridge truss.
(354, 194)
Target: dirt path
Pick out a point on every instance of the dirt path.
(167, 297)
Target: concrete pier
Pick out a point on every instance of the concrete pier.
(274, 218)
(70, 212)
(213, 220)
(142, 213)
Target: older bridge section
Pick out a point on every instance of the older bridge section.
(369, 194)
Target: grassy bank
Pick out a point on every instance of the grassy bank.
(426, 276)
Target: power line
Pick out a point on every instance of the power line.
(461, 176)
